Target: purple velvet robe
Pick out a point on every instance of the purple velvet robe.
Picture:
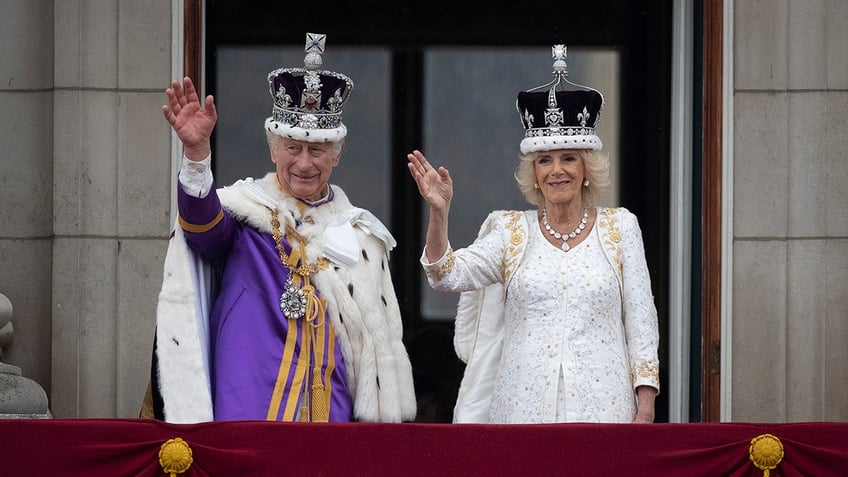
(255, 363)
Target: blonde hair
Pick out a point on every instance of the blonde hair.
(595, 165)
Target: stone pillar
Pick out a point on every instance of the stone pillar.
(20, 397)
(111, 201)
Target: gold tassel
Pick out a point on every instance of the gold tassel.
(320, 407)
(315, 310)
(313, 304)
(314, 318)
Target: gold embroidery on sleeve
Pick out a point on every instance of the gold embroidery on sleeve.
(445, 268)
(646, 369)
(611, 233)
(448, 265)
(516, 237)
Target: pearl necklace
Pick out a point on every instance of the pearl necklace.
(565, 237)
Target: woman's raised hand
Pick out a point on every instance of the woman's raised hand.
(192, 123)
(434, 185)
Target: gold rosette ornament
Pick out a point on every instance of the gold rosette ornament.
(766, 452)
(175, 456)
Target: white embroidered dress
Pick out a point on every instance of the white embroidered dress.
(568, 354)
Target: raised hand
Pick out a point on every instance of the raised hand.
(434, 185)
(192, 123)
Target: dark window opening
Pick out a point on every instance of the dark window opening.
(397, 44)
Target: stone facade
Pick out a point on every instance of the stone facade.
(790, 211)
(87, 168)
(87, 163)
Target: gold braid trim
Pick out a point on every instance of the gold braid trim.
(197, 229)
(320, 401)
(316, 406)
(305, 404)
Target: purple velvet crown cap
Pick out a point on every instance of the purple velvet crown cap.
(308, 101)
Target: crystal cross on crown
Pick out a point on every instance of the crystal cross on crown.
(315, 43)
(558, 53)
(314, 49)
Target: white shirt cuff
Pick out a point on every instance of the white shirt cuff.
(196, 177)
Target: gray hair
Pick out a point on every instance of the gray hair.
(595, 165)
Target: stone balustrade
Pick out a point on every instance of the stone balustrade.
(20, 397)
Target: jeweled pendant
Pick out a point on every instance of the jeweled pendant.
(565, 247)
(293, 300)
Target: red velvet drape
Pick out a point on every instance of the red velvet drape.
(130, 447)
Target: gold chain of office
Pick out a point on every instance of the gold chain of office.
(304, 269)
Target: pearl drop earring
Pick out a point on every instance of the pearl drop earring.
(536, 185)
(586, 184)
